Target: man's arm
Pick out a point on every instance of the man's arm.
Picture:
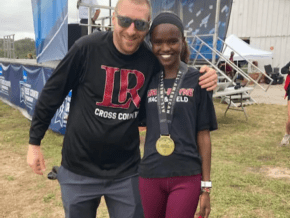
(209, 79)
(64, 78)
(35, 159)
(96, 15)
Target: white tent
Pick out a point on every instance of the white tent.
(245, 50)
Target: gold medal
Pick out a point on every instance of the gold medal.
(165, 145)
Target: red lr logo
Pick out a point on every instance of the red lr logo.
(124, 90)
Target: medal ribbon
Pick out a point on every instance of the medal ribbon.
(165, 114)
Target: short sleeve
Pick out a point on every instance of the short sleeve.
(206, 117)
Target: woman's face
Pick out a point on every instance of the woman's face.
(167, 42)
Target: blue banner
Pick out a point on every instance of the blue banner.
(58, 122)
(21, 85)
(50, 18)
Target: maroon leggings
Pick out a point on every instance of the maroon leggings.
(171, 197)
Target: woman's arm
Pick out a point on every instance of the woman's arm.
(204, 148)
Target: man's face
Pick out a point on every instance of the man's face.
(127, 40)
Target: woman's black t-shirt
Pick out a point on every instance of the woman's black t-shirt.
(193, 111)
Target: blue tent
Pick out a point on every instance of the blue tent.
(50, 19)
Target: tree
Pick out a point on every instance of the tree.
(22, 47)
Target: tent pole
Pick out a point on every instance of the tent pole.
(216, 31)
(110, 2)
(89, 21)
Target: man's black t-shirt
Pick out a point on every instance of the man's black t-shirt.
(193, 112)
(102, 138)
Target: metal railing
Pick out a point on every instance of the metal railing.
(102, 19)
(8, 46)
(197, 44)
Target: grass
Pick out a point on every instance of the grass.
(244, 153)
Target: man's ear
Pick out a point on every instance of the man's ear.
(113, 18)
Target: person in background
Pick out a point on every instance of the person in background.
(227, 68)
(176, 165)
(84, 14)
(286, 137)
(108, 73)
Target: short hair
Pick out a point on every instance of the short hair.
(138, 2)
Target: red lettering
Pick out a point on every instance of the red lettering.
(124, 101)
(190, 92)
(109, 86)
(152, 92)
(186, 92)
(134, 91)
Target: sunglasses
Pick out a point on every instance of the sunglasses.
(140, 25)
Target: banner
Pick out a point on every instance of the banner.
(198, 18)
(21, 85)
(50, 18)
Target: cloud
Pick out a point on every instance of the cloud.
(16, 17)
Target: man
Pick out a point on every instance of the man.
(108, 73)
(84, 14)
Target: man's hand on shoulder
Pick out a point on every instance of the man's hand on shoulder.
(209, 79)
(35, 159)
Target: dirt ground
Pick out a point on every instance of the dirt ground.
(274, 95)
(31, 193)
(42, 196)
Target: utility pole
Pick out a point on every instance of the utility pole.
(216, 31)
(110, 4)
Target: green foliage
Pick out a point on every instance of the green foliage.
(22, 48)
(1, 48)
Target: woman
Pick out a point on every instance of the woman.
(177, 153)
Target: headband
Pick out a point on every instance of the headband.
(167, 17)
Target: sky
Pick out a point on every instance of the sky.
(16, 17)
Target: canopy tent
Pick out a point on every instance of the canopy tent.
(244, 49)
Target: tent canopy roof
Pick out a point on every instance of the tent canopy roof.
(245, 50)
